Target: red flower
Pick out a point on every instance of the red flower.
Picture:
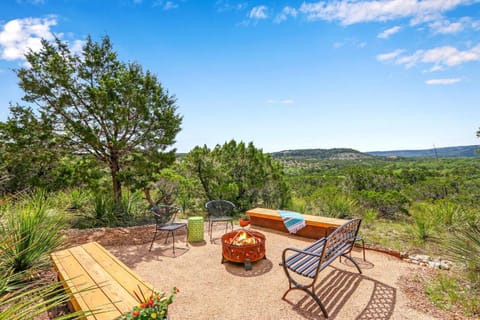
(136, 313)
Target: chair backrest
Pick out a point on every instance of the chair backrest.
(218, 208)
(340, 241)
(164, 214)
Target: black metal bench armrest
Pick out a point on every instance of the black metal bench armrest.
(300, 251)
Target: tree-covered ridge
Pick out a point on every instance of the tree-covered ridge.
(447, 152)
(321, 154)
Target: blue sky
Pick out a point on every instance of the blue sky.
(368, 75)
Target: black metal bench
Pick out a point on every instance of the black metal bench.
(308, 262)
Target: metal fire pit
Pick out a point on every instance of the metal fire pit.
(243, 252)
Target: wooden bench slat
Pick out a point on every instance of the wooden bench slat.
(86, 294)
(116, 294)
(126, 277)
(108, 285)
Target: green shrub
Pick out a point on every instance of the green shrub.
(331, 202)
(444, 212)
(79, 198)
(340, 206)
(423, 221)
(34, 231)
(369, 216)
(103, 211)
(298, 204)
(389, 203)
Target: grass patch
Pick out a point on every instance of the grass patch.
(448, 292)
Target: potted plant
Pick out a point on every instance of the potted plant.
(244, 220)
(153, 306)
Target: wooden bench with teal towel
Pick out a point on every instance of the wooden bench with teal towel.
(309, 261)
(293, 221)
(304, 225)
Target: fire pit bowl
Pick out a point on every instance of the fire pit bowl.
(243, 246)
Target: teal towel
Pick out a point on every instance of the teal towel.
(293, 221)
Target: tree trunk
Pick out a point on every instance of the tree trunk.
(117, 185)
(148, 196)
(203, 182)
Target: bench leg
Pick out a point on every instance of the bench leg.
(311, 294)
(353, 261)
(294, 285)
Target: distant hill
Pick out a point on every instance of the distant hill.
(321, 154)
(448, 152)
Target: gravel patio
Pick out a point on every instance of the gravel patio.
(212, 290)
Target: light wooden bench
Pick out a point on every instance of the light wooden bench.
(98, 281)
(316, 226)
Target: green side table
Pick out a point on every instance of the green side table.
(195, 229)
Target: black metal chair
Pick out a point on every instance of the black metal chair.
(219, 211)
(165, 222)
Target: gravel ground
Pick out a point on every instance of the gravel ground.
(387, 289)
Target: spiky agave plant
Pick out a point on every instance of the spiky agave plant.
(22, 297)
(464, 248)
(34, 231)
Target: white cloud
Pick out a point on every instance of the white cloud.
(225, 5)
(436, 68)
(284, 101)
(170, 5)
(444, 26)
(387, 33)
(443, 81)
(258, 13)
(286, 12)
(389, 55)
(349, 42)
(19, 35)
(77, 46)
(440, 57)
(351, 12)
(36, 2)
(165, 5)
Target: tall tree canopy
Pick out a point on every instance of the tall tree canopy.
(239, 173)
(110, 109)
(30, 151)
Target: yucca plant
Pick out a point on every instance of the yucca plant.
(464, 248)
(22, 297)
(33, 230)
(78, 198)
(423, 223)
